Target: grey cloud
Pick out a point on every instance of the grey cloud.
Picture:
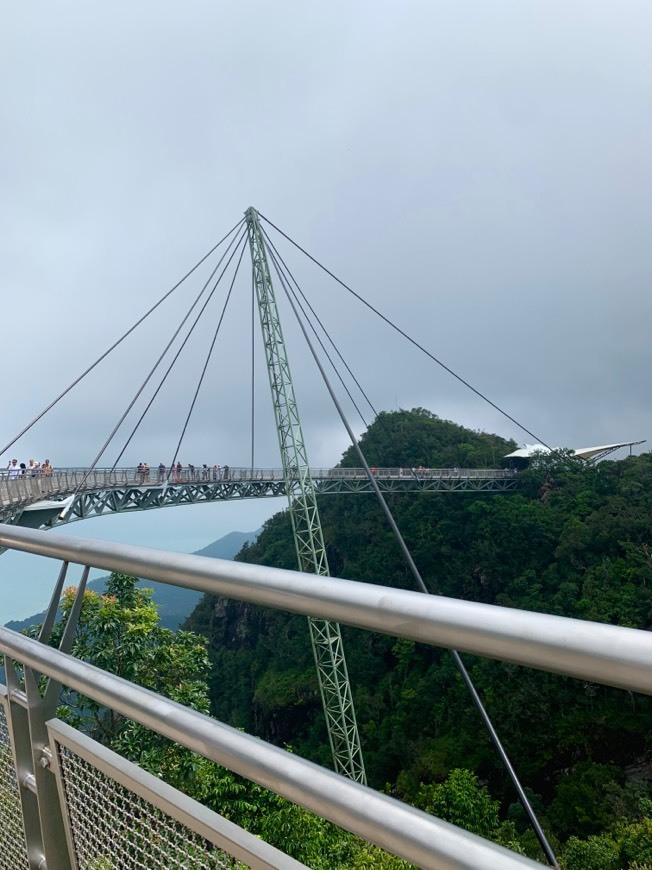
(479, 172)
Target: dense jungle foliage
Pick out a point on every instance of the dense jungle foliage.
(575, 540)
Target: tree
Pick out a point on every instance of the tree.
(575, 540)
(119, 632)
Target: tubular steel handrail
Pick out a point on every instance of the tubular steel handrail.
(606, 654)
(421, 839)
(424, 840)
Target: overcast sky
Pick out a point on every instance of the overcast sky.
(478, 171)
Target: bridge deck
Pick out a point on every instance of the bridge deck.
(40, 501)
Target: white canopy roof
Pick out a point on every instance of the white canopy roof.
(529, 450)
(592, 452)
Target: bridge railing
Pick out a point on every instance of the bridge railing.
(35, 784)
(29, 487)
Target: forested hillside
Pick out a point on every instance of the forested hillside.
(575, 540)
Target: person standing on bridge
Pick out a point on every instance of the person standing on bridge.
(46, 468)
(14, 468)
(161, 472)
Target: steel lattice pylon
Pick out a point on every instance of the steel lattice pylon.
(309, 540)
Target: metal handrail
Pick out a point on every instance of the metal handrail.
(608, 654)
(417, 837)
(410, 833)
(601, 653)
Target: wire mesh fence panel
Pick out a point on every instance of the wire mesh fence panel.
(13, 851)
(114, 829)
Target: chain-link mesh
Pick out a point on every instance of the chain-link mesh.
(115, 829)
(13, 852)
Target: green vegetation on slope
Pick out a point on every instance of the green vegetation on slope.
(576, 541)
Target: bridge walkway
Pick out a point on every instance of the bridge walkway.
(70, 494)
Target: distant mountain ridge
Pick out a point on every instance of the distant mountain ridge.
(174, 604)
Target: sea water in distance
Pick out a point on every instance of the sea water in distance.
(27, 581)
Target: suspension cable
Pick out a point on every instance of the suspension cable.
(180, 349)
(290, 278)
(253, 369)
(208, 356)
(422, 586)
(151, 373)
(406, 336)
(119, 341)
(273, 251)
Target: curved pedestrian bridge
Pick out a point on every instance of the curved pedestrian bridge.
(69, 494)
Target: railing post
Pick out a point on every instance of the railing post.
(40, 709)
(43, 822)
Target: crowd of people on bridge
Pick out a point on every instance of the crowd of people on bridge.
(31, 469)
(177, 473)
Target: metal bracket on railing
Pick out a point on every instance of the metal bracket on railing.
(29, 782)
(46, 758)
(19, 697)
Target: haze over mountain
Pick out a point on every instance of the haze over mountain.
(174, 604)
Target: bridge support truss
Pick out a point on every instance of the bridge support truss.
(302, 497)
